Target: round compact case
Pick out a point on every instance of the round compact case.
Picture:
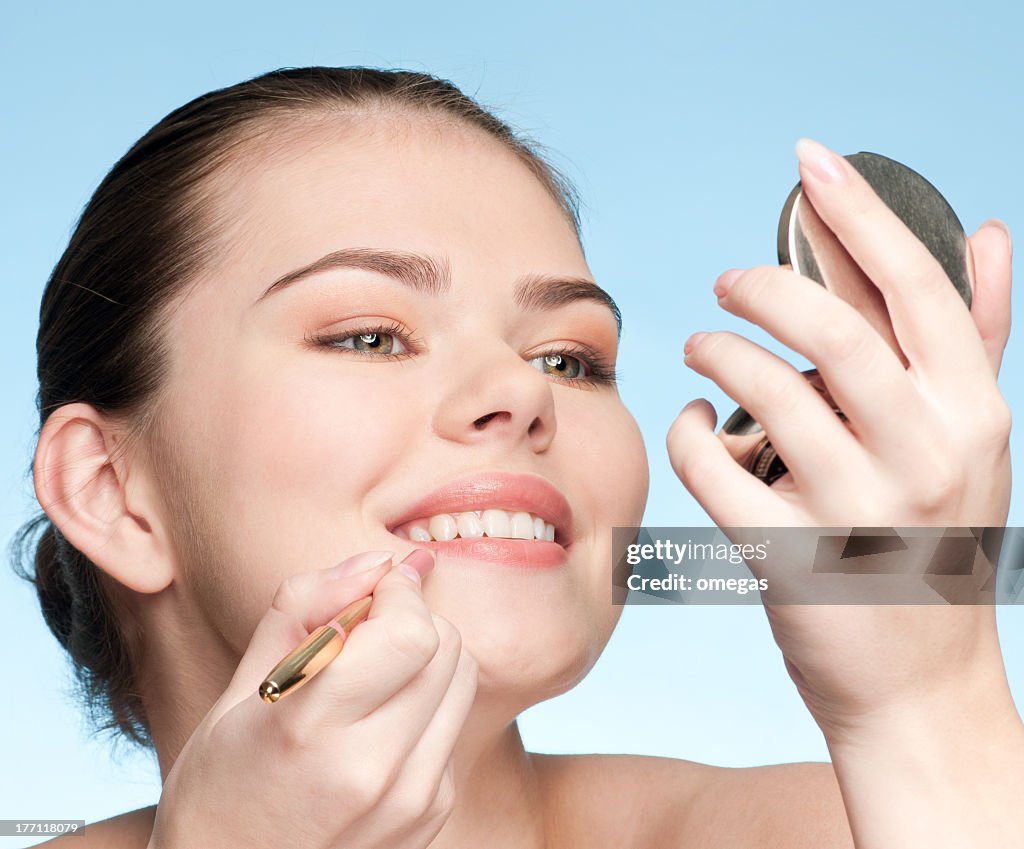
(806, 244)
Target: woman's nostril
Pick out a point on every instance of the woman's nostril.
(480, 422)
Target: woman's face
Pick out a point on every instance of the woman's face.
(304, 437)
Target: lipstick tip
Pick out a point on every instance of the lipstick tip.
(269, 692)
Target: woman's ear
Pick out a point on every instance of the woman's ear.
(83, 486)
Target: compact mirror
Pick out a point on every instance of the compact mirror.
(806, 244)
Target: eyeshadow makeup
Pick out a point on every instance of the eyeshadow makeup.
(806, 244)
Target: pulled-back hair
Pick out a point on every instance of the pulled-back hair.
(145, 234)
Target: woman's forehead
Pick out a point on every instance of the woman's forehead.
(436, 190)
(381, 171)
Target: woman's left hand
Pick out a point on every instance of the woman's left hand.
(926, 445)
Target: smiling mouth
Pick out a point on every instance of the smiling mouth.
(494, 523)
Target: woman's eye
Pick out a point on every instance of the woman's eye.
(392, 341)
(376, 342)
(561, 365)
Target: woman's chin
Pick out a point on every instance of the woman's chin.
(534, 628)
(532, 666)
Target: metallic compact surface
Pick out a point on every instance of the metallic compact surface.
(807, 245)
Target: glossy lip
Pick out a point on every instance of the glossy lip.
(536, 554)
(503, 490)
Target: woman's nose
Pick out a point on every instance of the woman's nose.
(510, 402)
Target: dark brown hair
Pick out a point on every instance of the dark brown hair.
(145, 234)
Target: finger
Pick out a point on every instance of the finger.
(865, 378)
(418, 790)
(302, 603)
(930, 320)
(992, 251)
(803, 428)
(380, 657)
(402, 718)
(729, 494)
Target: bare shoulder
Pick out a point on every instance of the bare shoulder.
(646, 802)
(791, 806)
(130, 830)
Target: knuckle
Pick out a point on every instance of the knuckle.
(750, 286)
(443, 803)
(920, 276)
(779, 393)
(923, 274)
(414, 638)
(449, 637)
(408, 806)
(708, 345)
(360, 795)
(861, 197)
(293, 736)
(287, 596)
(373, 783)
(423, 803)
(996, 422)
(942, 487)
(840, 342)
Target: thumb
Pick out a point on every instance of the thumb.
(991, 251)
(303, 602)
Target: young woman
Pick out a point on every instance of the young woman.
(343, 314)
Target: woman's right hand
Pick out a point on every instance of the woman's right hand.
(359, 757)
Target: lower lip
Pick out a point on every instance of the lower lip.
(529, 554)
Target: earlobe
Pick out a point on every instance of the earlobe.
(81, 486)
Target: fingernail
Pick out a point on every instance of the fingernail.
(409, 572)
(693, 340)
(420, 559)
(363, 562)
(995, 222)
(724, 283)
(820, 162)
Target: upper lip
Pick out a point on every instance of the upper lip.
(501, 490)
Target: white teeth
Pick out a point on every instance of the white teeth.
(505, 524)
(470, 525)
(522, 526)
(538, 527)
(443, 527)
(497, 523)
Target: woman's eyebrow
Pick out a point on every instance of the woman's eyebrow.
(432, 276)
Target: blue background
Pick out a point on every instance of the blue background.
(677, 122)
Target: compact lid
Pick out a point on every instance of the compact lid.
(807, 244)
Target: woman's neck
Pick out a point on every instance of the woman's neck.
(499, 799)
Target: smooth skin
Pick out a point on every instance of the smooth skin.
(413, 735)
(915, 693)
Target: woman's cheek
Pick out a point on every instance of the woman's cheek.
(610, 450)
(311, 439)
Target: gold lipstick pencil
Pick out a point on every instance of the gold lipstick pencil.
(313, 653)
